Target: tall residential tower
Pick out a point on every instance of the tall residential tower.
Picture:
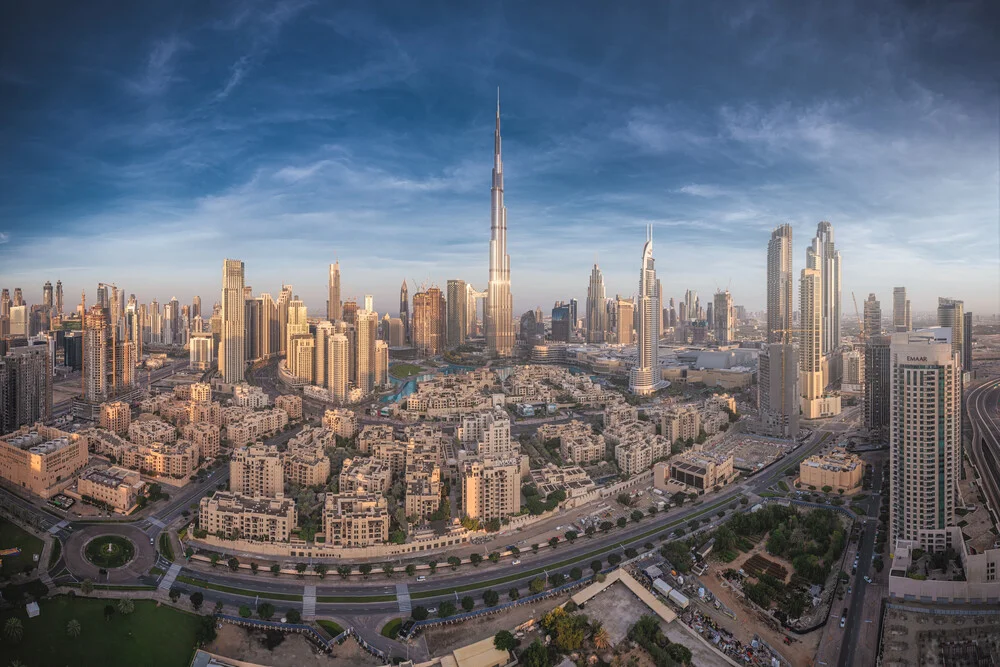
(499, 308)
(644, 378)
(596, 310)
(232, 352)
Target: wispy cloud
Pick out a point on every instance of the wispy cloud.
(159, 71)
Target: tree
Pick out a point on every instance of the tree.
(109, 611)
(433, 565)
(265, 610)
(175, 594)
(534, 548)
(827, 488)
(254, 567)
(126, 606)
(388, 569)
(631, 553)
(553, 541)
(622, 522)
(614, 559)
(504, 641)
(233, 563)
(589, 532)
(557, 579)
(214, 558)
(419, 613)
(205, 633)
(218, 606)
(196, 599)
(365, 569)
(87, 587)
(513, 594)
(596, 565)
(188, 553)
(494, 557)
(602, 640)
(515, 552)
(245, 611)
(454, 561)
(624, 499)
(652, 510)
(73, 628)
(535, 655)
(636, 516)
(293, 616)
(301, 569)
(680, 653)
(321, 569)
(576, 574)
(275, 569)
(537, 585)
(468, 603)
(344, 571)
(476, 559)
(13, 629)
(446, 609)
(606, 526)
(491, 598)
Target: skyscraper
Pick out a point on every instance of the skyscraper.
(5, 303)
(59, 297)
(560, 320)
(47, 295)
(644, 377)
(596, 309)
(324, 331)
(196, 307)
(298, 323)
(25, 386)
(499, 308)
(232, 353)
(779, 284)
(812, 379)
(824, 256)
(872, 318)
(370, 303)
(900, 310)
(381, 363)
(284, 299)
(429, 310)
(338, 361)
(722, 312)
(624, 321)
(778, 389)
(367, 329)
(925, 434)
(458, 317)
(878, 375)
(950, 314)
(967, 342)
(333, 310)
(404, 312)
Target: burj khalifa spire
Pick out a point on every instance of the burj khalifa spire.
(499, 306)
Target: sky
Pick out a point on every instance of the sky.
(143, 143)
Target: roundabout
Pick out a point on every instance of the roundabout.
(109, 551)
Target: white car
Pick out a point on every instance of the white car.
(432, 610)
(421, 578)
(516, 561)
(868, 579)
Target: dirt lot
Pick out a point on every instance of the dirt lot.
(443, 639)
(296, 651)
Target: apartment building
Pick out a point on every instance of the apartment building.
(700, 470)
(239, 517)
(290, 404)
(175, 459)
(256, 471)
(305, 461)
(355, 521)
(116, 416)
(149, 429)
(206, 436)
(681, 424)
(364, 476)
(342, 422)
(255, 426)
(491, 487)
(41, 459)
(248, 396)
(373, 433)
(119, 488)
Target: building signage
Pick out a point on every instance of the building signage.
(909, 358)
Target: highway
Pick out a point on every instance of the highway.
(866, 548)
(982, 409)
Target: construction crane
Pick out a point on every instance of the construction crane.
(861, 322)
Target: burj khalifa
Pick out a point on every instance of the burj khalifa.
(499, 307)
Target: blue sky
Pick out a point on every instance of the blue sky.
(142, 143)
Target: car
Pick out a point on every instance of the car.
(868, 579)
(848, 590)
(151, 540)
(516, 561)
(432, 610)
(421, 578)
(843, 621)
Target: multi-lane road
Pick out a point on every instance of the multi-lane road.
(983, 410)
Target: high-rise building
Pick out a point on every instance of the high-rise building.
(251, 319)
(644, 377)
(491, 488)
(349, 311)
(19, 321)
(428, 332)
(257, 471)
(298, 322)
(284, 301)
(872, 318)
(404, 312)
(367, 334)
(338, 359)
(950, 314)
(624, 321)
(196, 307)
(5, 302)
(924, 434)
(59, 298)
(458, 316)
(324, 330)
(25, 386)
(812, 380)
(397, 336)
(725, 322)
(597, 324)
(878, 375)
(370, 303)
(901, 320)
(201, 351)
(778, 389)
(47, 295)
(562, 317)
(824, 257)
(381, 363)
(498, 313)
(269, 328)
(779, 285)
(967, 342)
(232, 348)
(333, 309)
(301, 357)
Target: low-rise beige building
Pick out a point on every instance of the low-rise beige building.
(571, 479)
(577, 441)
(257, 471)
(838, 469)
(342, 422)
(205, 411)
(254, 426)
(249, 396)
(364, 476)
(291, 404)
(239, 517)
(355, 521)
(491, 487)
(201, 392)
(306, 467)
(148, 429)
(206, 436)
(175, 459)
(393, 455)
(681, 424)
(116, 416)
(637, 447)
(374, 433)
(616, 414)
(697, 469)
(40, 459)
(423, 483)
(116, 487)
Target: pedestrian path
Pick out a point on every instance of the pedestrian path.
(403, 597)
(156, 522)
(169, 577)
(59, 526)
(309, 602)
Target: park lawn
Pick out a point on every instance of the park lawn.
(151, 636)
(331, 627)
(404, 371)
(12, 536)
(391, 629)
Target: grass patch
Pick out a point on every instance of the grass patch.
(241, 591)
(12, 536)
(726, 556)
(782, 485)
(391, 629)
(109, 551)
(151, 636)
(355, 598)
(112, 587)
(55, 553)
(404, 371)
(155, 571)
(330, 627)
(165, 547)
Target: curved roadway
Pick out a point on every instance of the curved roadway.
(983, 409)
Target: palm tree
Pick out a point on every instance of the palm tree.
(73, 628)
(13, 629)
(126, 606)
(16, 663)
(602, 640)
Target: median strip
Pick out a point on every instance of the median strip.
(238, 591)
